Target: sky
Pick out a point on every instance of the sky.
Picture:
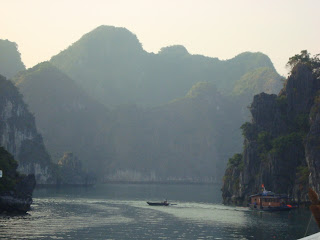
(214, 28)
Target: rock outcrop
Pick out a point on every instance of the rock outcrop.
(71, 171)
(19, 136)
(281, 146)
(312, 145)
(15, 189)
(20, 199)
(10, 59)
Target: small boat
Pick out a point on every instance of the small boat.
(164, 203)
(270, 202)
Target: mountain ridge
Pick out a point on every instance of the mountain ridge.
(149, 79)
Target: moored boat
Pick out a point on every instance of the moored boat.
(269, 201)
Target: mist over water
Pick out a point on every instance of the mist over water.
(120, 211)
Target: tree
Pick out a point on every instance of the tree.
(304, 58)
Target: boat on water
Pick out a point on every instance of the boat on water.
(270, 202)
(164, 203)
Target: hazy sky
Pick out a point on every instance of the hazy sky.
(223, 29)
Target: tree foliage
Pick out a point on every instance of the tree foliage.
(248, 130)
(281, 143)
(236, 161)
(263, 79)
(305, 58)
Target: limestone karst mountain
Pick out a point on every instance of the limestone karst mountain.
(10, 60)
(111, 65)
(172, 114)
(281, 147)
(19, 136)
(67, 118)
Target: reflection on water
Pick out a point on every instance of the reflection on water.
(119, 211)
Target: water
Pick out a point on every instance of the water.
(119, 211)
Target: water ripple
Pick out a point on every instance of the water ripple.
(83, 218)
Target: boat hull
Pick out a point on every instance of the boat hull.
(158, 204)
(271, 209)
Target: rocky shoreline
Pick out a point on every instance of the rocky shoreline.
(18, 200)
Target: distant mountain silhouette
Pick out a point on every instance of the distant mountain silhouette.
(111, 65)
(186, 139)
(67, 118)
(10, 60)
(172, 115)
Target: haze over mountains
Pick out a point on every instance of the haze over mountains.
(112, 66)
(68, 119)
(132, 115)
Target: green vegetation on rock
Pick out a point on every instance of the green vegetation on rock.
(282, 141)
(304, 58)
(303, 174)
(236, 161)
(248, 130)
(9, 174)
(263, 79)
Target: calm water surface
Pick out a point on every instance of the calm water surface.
(119, 211)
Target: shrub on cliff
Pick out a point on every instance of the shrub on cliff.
(248, 130)
(236, 161)
(281, 143)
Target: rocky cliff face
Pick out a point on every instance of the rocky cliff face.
(312, 145)
(19, 136)
(281, 146)
(68, 120)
